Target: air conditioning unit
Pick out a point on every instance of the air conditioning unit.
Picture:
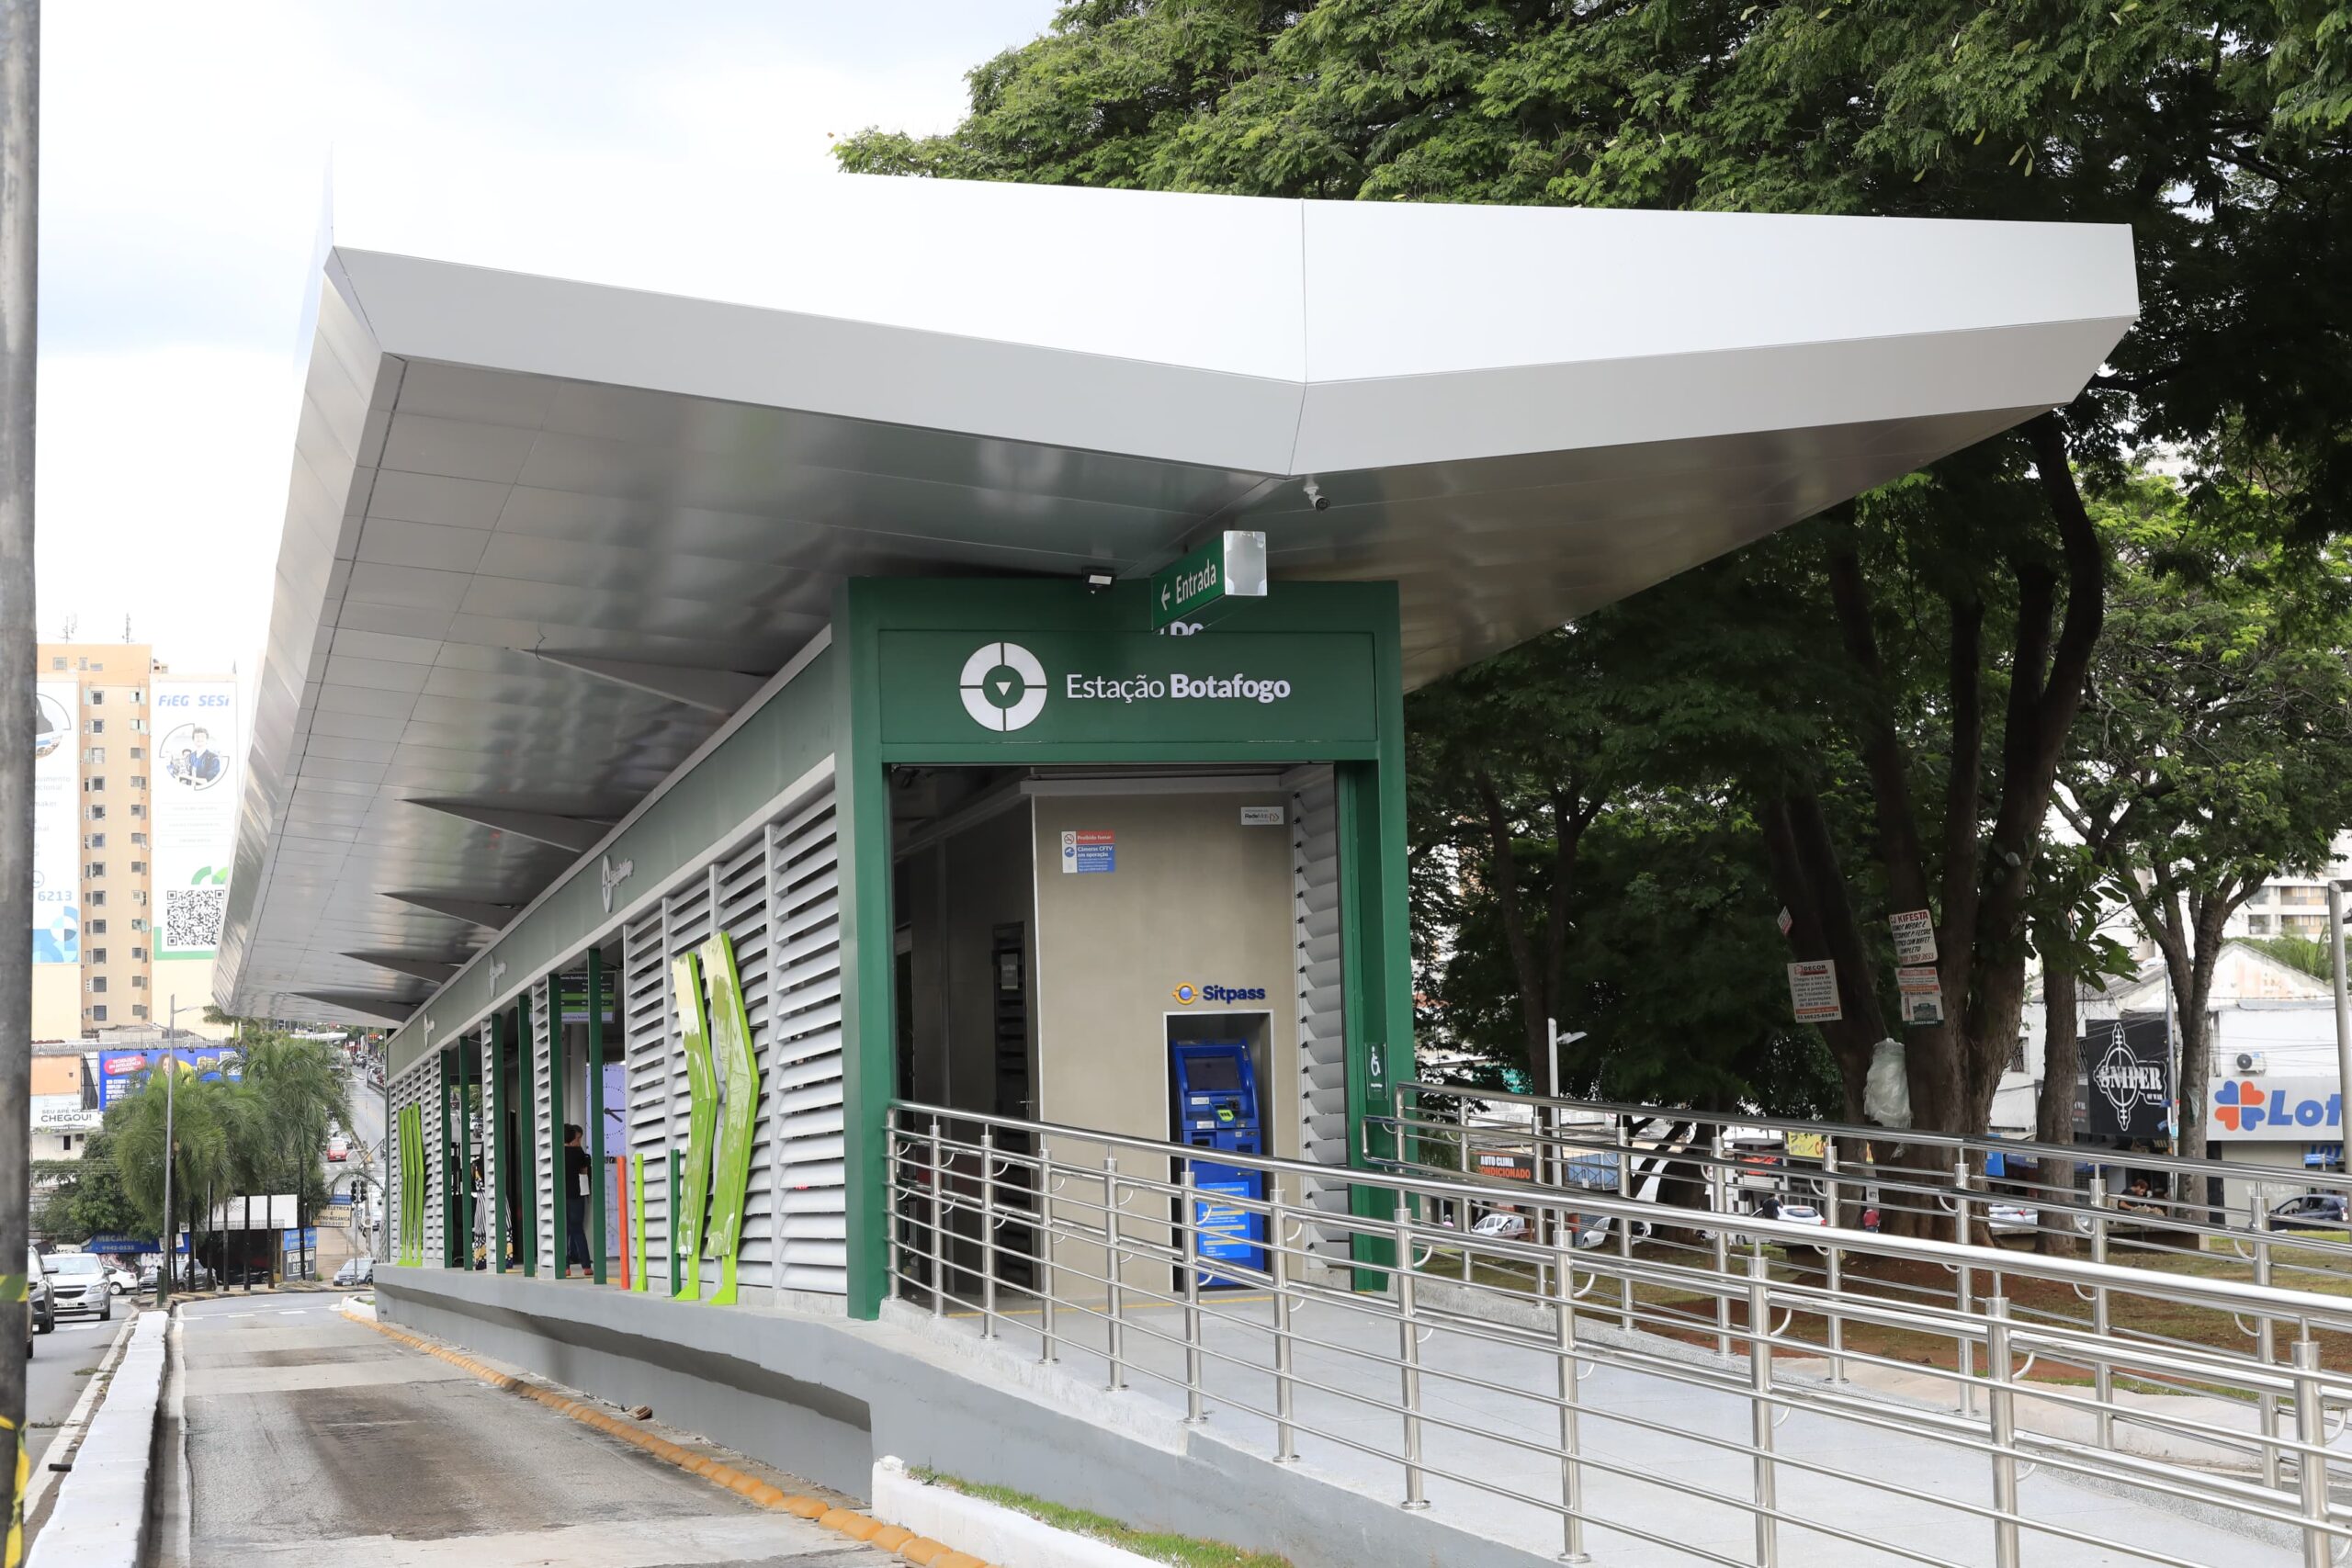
(2253, 1061)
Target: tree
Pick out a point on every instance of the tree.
(2215, 128)
(2307, 953)
(2218, 750)
(89, 1199)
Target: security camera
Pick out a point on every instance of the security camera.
(1315, 498)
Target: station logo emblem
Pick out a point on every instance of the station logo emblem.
(1188, 995)
(1003, 686)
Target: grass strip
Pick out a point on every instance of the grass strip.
(1179, 1550)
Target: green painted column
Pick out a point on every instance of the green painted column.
(466, 1077)
(501, 1105)
(448, 1155)
(559, 1183)
(869, 1058)
(595, 1110)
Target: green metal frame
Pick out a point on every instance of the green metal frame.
(1370, 779)
(527, 1070)
(447, 1072)
(594, 1122)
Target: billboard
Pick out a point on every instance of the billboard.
(126, 1071)
(2296, 1109)
(57, 823)
(2127, 1063)
(195, 792)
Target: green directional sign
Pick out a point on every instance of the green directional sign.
(1230, 565)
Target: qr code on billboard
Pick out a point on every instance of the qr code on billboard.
(192, 919)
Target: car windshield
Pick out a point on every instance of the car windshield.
(73, 1263)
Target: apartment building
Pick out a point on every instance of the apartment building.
(103, 776)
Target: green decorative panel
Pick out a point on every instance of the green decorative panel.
(702, 1117)
(738, 1071)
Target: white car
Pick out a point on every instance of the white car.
(1800, 1214)
(2007, 1219)
(77, 1282)
(121, 1281)
(1502, 1226)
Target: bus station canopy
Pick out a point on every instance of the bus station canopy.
(566, 491)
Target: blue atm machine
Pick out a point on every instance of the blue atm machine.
(1216, 1107)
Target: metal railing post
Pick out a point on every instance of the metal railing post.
(1278, 1266)
(1834, 1192)
(1048, 1353)
(1571, 1473)
(1760, 1406)
(2265, 1341)
(1114, 1329)
(1965, 1292)
(938, 1224)
(1719, 1199)
(2103, 1373)
(2003, 1418)
(2311, 1428)
(1187, 1250)
(1625, 1225)
(1409, 1346)
(894, 1165)
(988, 1233)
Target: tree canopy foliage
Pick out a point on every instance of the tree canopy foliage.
(1871, 713)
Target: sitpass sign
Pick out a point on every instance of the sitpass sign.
(2249, 1108)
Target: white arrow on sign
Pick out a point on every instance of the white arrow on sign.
(1163, 595)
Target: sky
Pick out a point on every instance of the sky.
(185, 155)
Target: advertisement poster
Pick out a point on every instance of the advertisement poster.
(2128, 1063)
(194, 791)
(1813, 991)
(125, 1072)
(2292, 1109)
(1920, 990)
(57, 824)
(1915, 936)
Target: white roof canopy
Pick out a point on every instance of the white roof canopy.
(557, 491)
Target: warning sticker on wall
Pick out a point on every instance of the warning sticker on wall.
(1813, 991)
(1089, 850)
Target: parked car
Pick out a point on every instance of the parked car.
(1800, 1214)
(43, 1318)
(121, 1281)
(2009, 1219)
(77, 1282)
(356, 1271)
(1502, 1227)
(2311, 1211)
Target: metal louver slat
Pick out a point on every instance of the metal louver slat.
(1322, 1044)
(542, 1108)
(648, 1047)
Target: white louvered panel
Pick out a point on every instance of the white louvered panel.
(743, 915)
(687, 923)
(435, 1098)
(806, 1087)
(1322, 1041)
(645, 987)
(487, 1147)
(543, 1154)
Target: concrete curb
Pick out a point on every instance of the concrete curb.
(67, 1442)
(101, 1515)
(1005, 1536)
(919, 1550)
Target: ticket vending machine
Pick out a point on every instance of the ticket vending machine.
(1215, 1106)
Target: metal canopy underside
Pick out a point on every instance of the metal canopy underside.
(542, 529)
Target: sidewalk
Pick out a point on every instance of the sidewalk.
(1652, 1483)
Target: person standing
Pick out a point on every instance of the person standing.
(576, 1174)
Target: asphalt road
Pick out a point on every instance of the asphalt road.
(313, 1439)
(61, 1364)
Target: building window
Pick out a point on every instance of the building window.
(139, 982)
(97, 727)
(98, 955)
(138, 781)
(94, 842)
(2302, 897)
(138, 754)
(96, 928)
(139, 955)
(95, 897)
(95, 868)
(93, 754)
(137, 923)
(137, 839)
(95, 784)
(98, 983)
(2262, 925)
(137, 809)
(98, 1014)
(138, 726)
(57, 662)
(98, 814)
(139, 1012)
(139, 895)
(138, 868)
(97, 698)
(137, 695)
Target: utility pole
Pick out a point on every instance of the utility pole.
(169, 1240)
(19, 248)
(2343, 1018)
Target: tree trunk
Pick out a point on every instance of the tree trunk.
(2053, 1106)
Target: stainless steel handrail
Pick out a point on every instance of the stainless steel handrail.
(953, 1164)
